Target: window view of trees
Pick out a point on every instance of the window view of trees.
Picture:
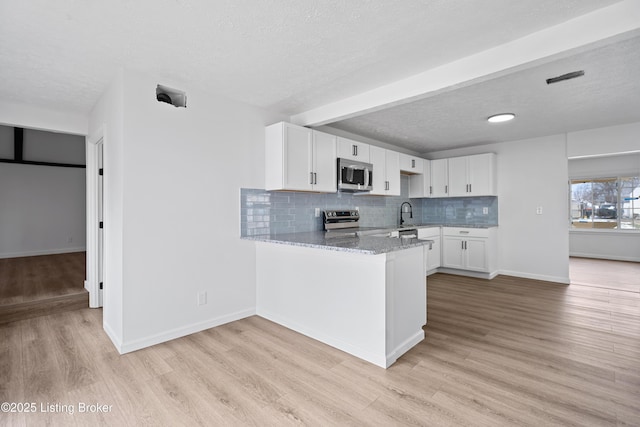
(612, 203)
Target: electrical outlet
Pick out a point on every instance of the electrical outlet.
(317, 212)
(202, 298)
(70, 240)
(539, 210)
(485, 211)
(358, 208)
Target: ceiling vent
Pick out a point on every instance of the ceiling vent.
(568, 76)
(175, 97)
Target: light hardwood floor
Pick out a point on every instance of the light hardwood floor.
(602, 273)
(39, 285)
(33, 278)
(497, 353)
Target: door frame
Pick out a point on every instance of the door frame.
(93, 145)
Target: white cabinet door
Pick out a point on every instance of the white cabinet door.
(481, 175)
(354, 150)
(420, 184)
(378, 158)
(325, 167)
(386, 171)
(476, 254)
(472, 175)
(411, 164)
(297, 158)
(439, 178)
(453, 252)
(393, 172)
(433, 254)
(458, 182)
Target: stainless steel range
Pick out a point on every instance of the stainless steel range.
(341, 220)
(346, 222)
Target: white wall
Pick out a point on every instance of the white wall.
(178, 232)
(596, 153)
(28, 116)
(531, 173)
(42, 208)
(604, 141)
(106, 121)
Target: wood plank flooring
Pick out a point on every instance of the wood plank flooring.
(35, 278)
(503, 352)
(602, 273)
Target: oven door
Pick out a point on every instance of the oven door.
(354, 176)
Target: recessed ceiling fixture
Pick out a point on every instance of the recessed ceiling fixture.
(568, 76)
(502, 117)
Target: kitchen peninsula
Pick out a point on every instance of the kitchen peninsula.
(365, 295)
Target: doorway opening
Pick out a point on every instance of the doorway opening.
(42, 223)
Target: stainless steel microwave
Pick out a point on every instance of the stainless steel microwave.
(354, 176)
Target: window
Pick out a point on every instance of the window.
(609, 203)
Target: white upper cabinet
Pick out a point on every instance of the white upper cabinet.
(420, 184)
(386, 171)
(325, 166)
(472, 175)
(297, 158)
(410, 164)
(440, 178)
(353, 150)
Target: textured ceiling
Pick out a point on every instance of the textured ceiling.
(288, 55)
(607, 94)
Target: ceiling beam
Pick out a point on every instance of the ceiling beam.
(595, 29)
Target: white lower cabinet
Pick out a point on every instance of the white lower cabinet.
(433, 253)
(473, 249)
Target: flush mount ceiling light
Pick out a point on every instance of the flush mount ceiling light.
(502, 117)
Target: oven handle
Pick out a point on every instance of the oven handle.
(366, 177)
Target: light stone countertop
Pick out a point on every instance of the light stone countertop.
(372, 245)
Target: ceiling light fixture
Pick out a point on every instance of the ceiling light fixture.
(502, 117)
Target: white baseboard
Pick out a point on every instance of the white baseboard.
(115, 340)
(43, 252)
(362, 353)
(545, 278)
(140, 343)
(467, 273)
(407, 345)
(608, 257)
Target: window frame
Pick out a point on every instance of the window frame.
(619, 205)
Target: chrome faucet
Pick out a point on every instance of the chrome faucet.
(410, 211)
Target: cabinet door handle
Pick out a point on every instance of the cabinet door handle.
(446, 189)
(469, 188)
(462, 244)
(413, 163)
(311, 178)
(430, 189)
(354, 150)
(315, 178)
